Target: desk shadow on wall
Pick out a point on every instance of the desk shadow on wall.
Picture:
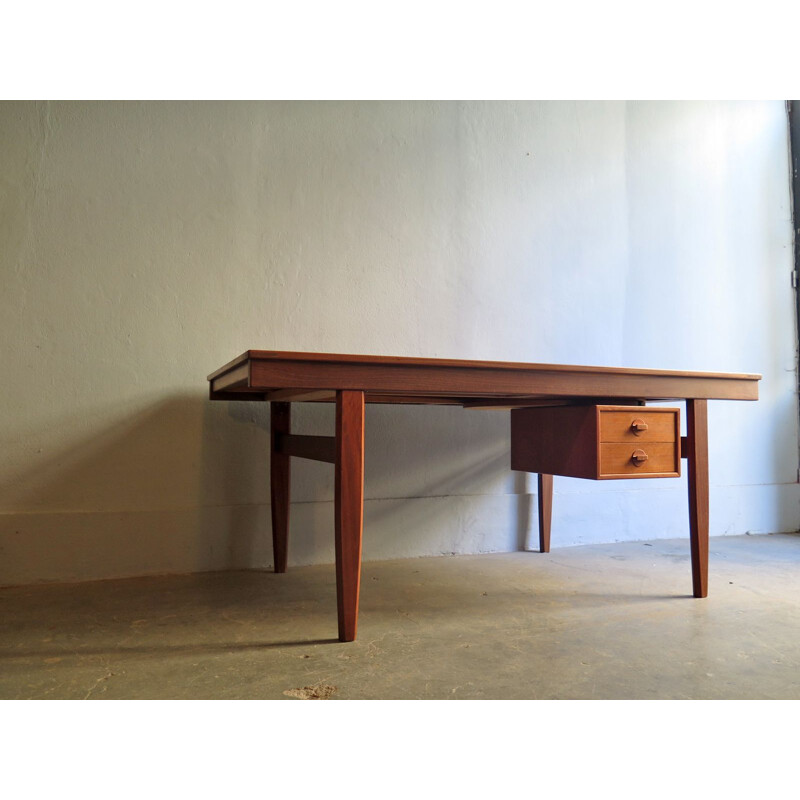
(182, 486)
(437, 481)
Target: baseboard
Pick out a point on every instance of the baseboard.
(64, 546)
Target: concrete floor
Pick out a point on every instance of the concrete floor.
(602, 621)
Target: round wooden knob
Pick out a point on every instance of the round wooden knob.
(639, 457)
(638, 426)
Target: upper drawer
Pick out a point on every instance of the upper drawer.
(638, 424)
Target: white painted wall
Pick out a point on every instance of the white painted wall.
(145, 244)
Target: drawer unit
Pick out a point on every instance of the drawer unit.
(598, 442)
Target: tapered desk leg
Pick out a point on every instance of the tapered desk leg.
(280, 421)
(349, 507)
(697, 457)
(545, 511)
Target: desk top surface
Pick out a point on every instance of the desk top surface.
(295, 376)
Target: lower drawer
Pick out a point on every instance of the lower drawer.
(651, 459)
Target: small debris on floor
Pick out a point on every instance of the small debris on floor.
(320, 692)
(98, 682)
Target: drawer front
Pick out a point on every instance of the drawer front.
(637, 424)
(639, 459)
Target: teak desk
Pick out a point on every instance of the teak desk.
(586, 422)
